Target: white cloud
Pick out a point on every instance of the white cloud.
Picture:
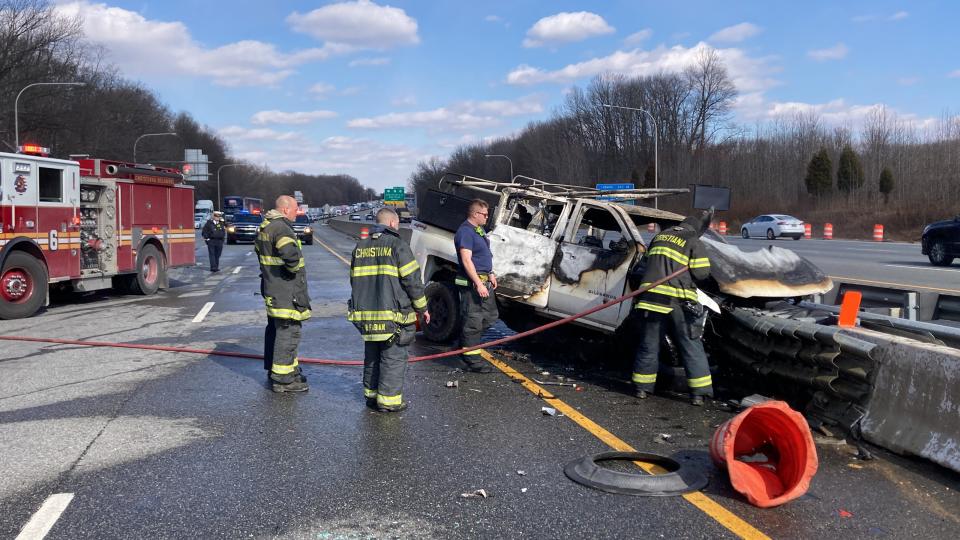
(460, 116)
(322, 90)
(141, 47)
(748, 73)
(351, 90)
(240, 133)
(361, 24)
(735, 33)
(954, 74)
(379, 61)
(837, 112)
(280, 117)
(566, 28)
(837, 52)
(637, 38)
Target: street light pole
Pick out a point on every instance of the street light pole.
(147, 135)
(656, 164)
(504, 157)
(220, 168)
(16, 103)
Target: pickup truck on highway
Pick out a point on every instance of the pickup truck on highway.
(559, 250)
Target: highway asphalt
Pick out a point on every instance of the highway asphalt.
(171, 445)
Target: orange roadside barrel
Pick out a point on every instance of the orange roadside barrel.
(723, 228)
(768, 452)
(808, 231)
(878, 233)
(651, 227)
(364, 233)
(713, 225)
(828, 231)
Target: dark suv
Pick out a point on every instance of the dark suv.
(304, 229)
(243, 227)
(941, 241)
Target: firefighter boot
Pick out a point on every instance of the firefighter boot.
(392, 408)
(697, 401)
(295, 386)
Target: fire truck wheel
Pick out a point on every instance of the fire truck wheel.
(151, 267)
(23, 284)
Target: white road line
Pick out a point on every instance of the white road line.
(237, 269)
(248, 254)
(48, 514)
(954, 270)
(203, 312)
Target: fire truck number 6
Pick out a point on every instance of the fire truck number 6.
(86, 225)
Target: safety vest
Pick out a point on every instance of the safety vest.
(669, 251)
(283, 277)
(387, 290)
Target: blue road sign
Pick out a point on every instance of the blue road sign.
(613, 187)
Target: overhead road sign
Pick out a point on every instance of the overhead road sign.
(394, 196)
(615, 187)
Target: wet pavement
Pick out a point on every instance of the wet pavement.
(169, 445)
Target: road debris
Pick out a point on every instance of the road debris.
(475, 390)
(844, 514)
(662, 438)
(551, 383)
(453, 384)
(522, 473)
(477, 494)
(523, 490)
(753, 399)
(548, 411)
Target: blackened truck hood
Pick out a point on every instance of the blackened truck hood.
(771, 272)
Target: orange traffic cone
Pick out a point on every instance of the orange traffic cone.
(768, 452)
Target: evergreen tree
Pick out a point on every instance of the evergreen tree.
(886, 183)
(849, 171)
(819, 173)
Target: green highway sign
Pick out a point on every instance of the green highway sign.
(393, 194)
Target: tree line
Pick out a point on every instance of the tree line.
(105, 117)
(887, 170)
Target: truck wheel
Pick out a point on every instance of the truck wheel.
(23, 286)
(443, 303)
(151, 268)
(938, 255)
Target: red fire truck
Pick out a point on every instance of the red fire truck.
(88, 224)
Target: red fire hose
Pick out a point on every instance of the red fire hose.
(331, 362)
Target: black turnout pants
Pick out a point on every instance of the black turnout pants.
(677, 325)
(385, 366)
(214, 249)
(280, 342)
(477, 315)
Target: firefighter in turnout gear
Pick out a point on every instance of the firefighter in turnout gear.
(283, 284)
(386, 298)
(673, 309)
(476, 280)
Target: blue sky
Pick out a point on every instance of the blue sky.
(369, 88)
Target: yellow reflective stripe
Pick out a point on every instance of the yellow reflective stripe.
(390, 400)
(300, 265)
(471, 353)
(292, 314)
(376, 337)
(700, 382)
(367, 393)
(285, 369)
(267, 260)
(395, 316)
(420, 303)
(670, 253)
(642, 378)
(461, 281)
(702, 262)
(374, 270)
(284, 241)
(675, 292)
(654, 307)
(409, 268)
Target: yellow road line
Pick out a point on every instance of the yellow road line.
(904, 285)
(330, 249)
(705, 504)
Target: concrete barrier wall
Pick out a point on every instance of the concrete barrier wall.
(915, 406)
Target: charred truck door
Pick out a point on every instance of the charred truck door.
(592, 261)
(524, 245)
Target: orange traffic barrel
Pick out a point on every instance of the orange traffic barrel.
(878, 233)
(808, 231)
(713, 225)
(723, 228)
(768, 452)
(828, 231)
(364, 233)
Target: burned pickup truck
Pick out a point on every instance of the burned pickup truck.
(559, 250)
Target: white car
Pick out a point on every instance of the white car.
(771, 226)
(355, 217)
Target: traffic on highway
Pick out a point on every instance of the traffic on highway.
(623, 273)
